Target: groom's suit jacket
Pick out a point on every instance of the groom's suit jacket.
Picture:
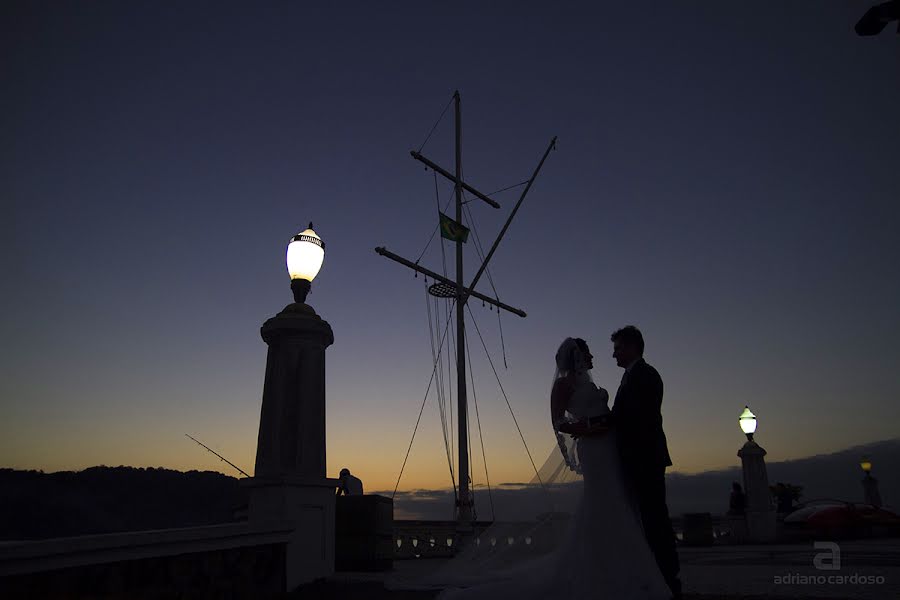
(638, 419)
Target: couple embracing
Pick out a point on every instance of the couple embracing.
(619, 544)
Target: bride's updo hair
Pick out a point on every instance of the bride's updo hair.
(571, 356)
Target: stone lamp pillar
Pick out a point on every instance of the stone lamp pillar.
(871, 493)
(760, 511)
(289, 483)
(292, 421)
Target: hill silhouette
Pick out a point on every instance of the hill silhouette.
(836, 475)
(37, 505)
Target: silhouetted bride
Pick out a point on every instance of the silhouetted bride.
(603, 553)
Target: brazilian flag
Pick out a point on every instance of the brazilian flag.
(453, 231)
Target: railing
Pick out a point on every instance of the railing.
(429, 539)
(721, 526)
(439, 539)
(213, 561)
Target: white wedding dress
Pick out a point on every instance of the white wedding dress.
(603, 554)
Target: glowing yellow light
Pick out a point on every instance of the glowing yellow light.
(305, 254)
(865, 464)
(747, 421)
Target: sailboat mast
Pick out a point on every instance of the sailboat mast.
(464, 509)
(464, 501)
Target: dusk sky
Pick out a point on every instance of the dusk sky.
(725, 179)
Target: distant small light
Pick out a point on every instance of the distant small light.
(449, 542)
(528, 540)
(415, 543)
(399, 542)
(493, 541)
(865, 464)
(510, 541)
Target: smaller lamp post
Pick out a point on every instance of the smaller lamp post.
(305, 254)
(871, 493)
(760, 512)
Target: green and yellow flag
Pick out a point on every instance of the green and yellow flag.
(453, 231)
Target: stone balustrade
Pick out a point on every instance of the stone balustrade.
(212, 561)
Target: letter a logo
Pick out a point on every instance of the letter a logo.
(827, 561)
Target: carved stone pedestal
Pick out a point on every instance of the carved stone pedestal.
(308, 508)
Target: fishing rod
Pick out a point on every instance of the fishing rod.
(219, 455)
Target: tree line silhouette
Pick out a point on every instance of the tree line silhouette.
(38, 505)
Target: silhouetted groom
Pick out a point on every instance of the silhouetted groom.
(642, 447)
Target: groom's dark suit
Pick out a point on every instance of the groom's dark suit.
(645, 456)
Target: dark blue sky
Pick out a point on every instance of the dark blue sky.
(726, 179)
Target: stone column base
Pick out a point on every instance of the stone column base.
(738, 526)
(761, 525)
(306, 505)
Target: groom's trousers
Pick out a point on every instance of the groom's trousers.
(649, 487)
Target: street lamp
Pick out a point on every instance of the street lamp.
(747, 421)
(871, 493)
(289, 486)
(759, 512)
(305, 254)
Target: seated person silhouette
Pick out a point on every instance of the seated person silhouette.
(350, 485)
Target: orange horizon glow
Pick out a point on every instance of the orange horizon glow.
(419, 474)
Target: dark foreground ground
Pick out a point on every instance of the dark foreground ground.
(715, 573)
(376, 591)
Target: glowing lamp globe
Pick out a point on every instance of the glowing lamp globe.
(747, 421)
(865, 464)
(305, 254)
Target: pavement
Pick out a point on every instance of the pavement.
(857, 570)
(845, 570)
